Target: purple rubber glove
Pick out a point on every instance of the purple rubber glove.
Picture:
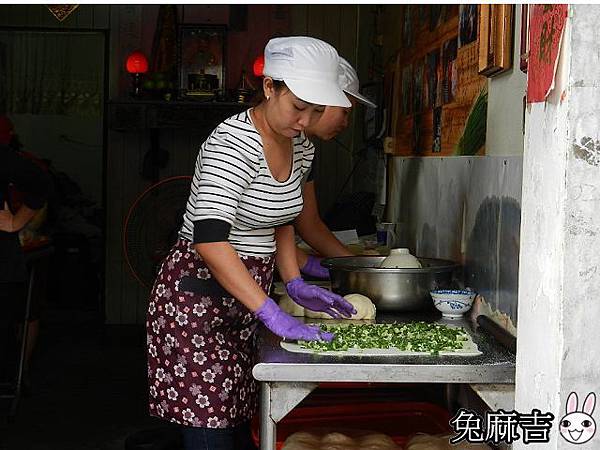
(318, 299)
(314, 268)
(284, 325)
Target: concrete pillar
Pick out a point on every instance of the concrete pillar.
(559, 292)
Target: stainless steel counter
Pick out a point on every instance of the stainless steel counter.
(289, 377)
(495, 365)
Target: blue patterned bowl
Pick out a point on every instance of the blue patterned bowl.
(453, 303)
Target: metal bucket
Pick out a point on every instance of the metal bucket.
(396, 290)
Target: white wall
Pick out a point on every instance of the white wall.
(558, 350)
(505, 104)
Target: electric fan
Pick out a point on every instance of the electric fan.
(152, 224)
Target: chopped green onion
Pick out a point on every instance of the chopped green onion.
(414, 337)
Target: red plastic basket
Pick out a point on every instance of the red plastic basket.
(399, 420)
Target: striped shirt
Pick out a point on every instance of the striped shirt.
(233, 186)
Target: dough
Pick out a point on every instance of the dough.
(301, 441)
(299, 446)
(316, 314)
(371, 252)
(290, 306)
(338, 441)
(337, 446)
(303, 436)
(377, 441)
(365, 309)
(377, 438)
(429, 442)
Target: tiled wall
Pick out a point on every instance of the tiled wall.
(467, 209)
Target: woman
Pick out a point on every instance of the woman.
(34, 184)
(211, 290)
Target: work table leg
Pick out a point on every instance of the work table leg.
(276, 401)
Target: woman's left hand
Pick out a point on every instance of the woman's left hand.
(318, 299)
(314, 268)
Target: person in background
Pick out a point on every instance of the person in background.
(211, 291)
(34, 184)
(309, 224)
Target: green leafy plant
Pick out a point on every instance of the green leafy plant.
(473, 137)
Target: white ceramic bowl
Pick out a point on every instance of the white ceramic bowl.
(453, 303)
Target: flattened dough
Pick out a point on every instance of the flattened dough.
(365, 309)
(469, 348)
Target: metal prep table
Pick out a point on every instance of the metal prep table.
(287, 378)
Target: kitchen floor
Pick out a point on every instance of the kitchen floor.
(88, 387)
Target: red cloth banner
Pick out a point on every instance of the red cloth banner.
(546, 26)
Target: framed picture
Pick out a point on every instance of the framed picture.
(467, 24)
(201, 60)
(449, 70)
(430, 91)
(407, 28)
(418, 85)
(495, 38)
(407, 88)
(524, 37)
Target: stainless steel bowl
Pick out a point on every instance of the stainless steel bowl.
(390, 289)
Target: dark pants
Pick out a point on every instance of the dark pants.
(238, 438)
(12, 305)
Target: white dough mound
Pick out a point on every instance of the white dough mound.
(290, 306)
(338, 441)
(365, 309)
(429, 442)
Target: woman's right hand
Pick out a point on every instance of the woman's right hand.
(286, 326)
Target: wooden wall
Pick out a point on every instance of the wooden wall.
(412, 129)
(85, 16)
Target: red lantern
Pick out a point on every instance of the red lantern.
(137, 63)
(259, 66)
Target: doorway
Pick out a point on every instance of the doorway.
(53, 86)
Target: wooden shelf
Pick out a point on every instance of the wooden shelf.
(132, 115)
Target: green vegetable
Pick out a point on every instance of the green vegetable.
(416, 337)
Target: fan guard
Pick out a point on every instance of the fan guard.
(152, 224)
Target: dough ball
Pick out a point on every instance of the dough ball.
(377, 441)
(365, 309)
(299, 446)
(301, 441)
(337, 439)
(380, 447)
(338, 447)
(429, 442)
(290, 306)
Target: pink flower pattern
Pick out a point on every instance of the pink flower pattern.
(201, 347)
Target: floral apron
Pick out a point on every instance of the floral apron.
(201, 346)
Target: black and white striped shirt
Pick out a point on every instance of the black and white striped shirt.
(233, 189)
